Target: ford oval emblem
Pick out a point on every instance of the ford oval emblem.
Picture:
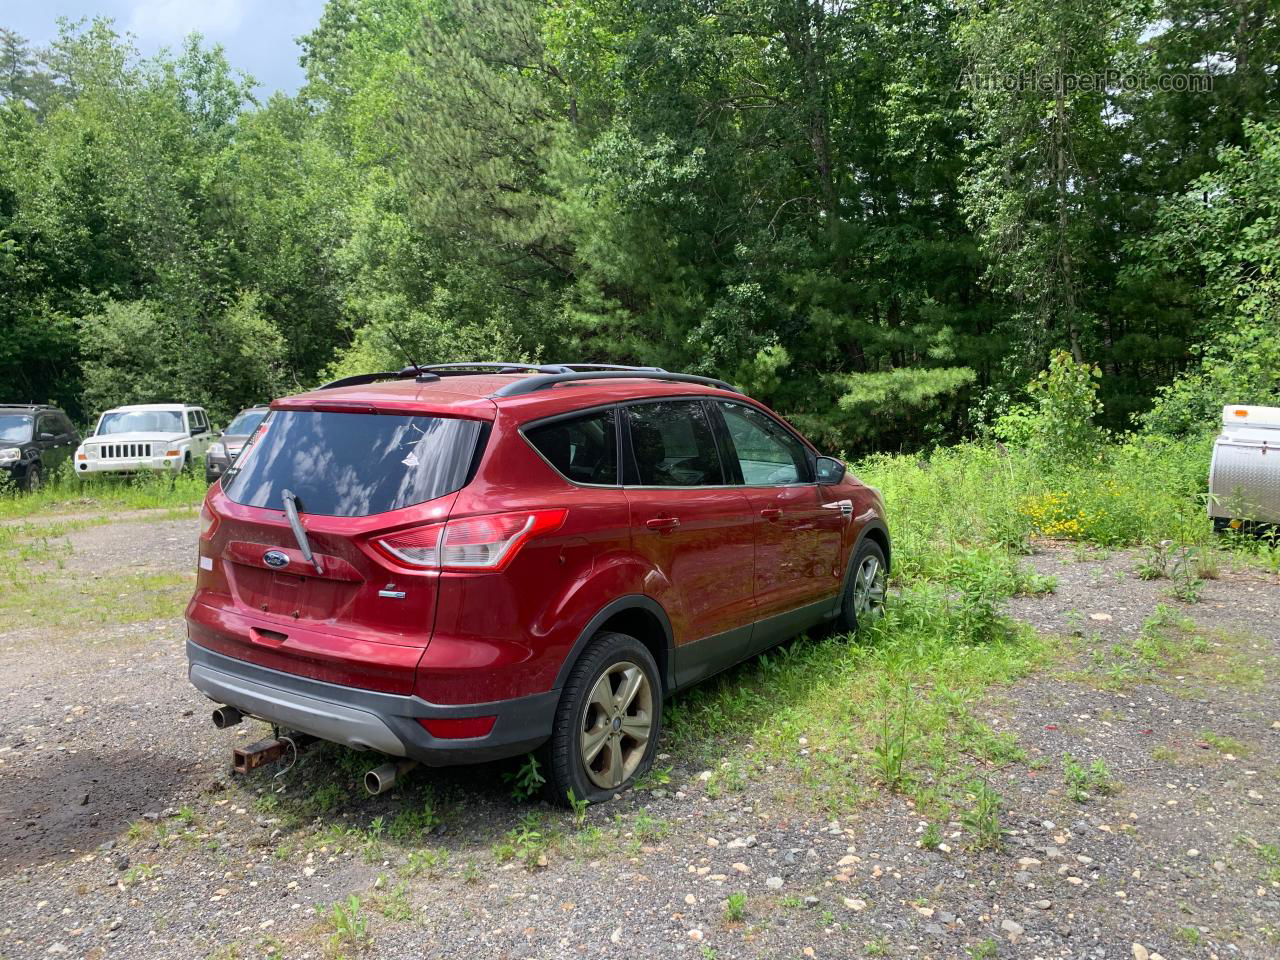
(274, 558)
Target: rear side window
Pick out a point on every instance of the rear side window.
(583, 449)
(672, 445)
(352, 464)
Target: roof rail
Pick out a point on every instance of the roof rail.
(432, 372)
(519, 388)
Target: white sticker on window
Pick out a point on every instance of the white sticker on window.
(411, 460)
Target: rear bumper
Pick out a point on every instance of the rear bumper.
(367, 719)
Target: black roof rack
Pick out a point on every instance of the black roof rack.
(518, 388)
(432, 372)
(543, 375)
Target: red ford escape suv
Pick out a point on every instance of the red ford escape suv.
(472, 561)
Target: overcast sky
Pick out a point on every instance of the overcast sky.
(258, 34)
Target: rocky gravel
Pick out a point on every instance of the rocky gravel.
(126, 836)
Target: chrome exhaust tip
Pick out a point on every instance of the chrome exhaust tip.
(383, 778)
(224, 717)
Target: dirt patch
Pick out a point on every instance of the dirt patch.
(1165, 837)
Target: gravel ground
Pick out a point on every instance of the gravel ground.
(125, 835)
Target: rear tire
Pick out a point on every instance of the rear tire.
(865, 590)
(606, 727)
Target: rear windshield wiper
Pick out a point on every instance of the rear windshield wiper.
(299, 534)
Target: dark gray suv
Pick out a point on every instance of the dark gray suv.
(35, 440)
(231, 441)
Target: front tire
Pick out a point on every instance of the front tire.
(35, 478)
(865, 592)
(607, 723)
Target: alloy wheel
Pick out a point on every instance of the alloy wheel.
(869, 589)
(616, 725)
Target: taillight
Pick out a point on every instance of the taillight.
(207, 521)
(415, 548)
(489, 543)
(474, 543)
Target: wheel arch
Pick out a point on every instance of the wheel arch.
(638, 616)
(877, 531)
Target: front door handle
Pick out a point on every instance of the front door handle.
(663, 524)
(771, 513)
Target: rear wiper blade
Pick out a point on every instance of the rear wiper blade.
(299, 534)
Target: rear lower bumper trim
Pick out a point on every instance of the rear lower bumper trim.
(368, 719)
(326, 719)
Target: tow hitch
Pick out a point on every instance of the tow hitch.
(244, 759)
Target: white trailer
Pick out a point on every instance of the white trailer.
(1244, 475)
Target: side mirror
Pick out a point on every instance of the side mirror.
(47, 436)
(829, 470)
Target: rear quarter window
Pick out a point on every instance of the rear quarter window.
(353, 464)
(582, 449)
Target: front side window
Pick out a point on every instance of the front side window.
(582, 449)
(141, 421)
(352, 464)
(15, 427)
(672, 445)
(768, 456)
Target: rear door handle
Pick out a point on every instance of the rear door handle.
(662, 524)
(771, 513)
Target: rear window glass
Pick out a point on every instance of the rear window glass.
(352, 464)
(584, 449)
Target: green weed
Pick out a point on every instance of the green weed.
(1085, 783)
(526, 782)
(579, 808)
(428, 862)
(931, 837)
(982, 818)
(349, 924)
(735, 907)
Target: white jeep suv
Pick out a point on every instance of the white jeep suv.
(162, 437)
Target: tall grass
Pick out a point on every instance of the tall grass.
(1144, 490)
(65, 493)
(896, 707)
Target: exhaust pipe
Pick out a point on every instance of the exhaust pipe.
(224, 717)
(383, 778)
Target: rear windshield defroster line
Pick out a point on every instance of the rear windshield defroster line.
(353, 464)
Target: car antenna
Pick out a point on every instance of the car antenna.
(418, 373)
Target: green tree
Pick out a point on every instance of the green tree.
(23, 79)
(1221, 239)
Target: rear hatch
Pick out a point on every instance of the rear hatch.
(351, 614)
